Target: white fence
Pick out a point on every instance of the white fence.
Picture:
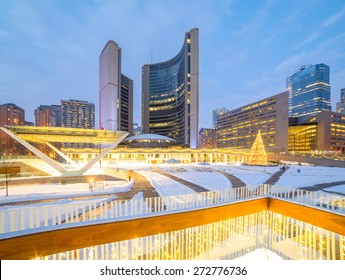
(22, 219)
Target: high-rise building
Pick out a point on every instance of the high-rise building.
(45, 116)
(216, 113)
(126, 104)
(238, 128)
(341, 104)
(115, 91)
(11, 114)
(207, 138)
(78, 114)
(58, 114)
(309, 91)
(170, 94)
(136, 129)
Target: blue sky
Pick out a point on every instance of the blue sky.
(49, 50)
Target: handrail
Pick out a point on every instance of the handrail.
(37, 244)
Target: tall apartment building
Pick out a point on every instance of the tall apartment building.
(170, 94)
(78, 114)
(216, 114)
(237, 129)
(341, 104)
(207, 138)
(11, 114)
(309, 91)
(115, 91)
(45, 116)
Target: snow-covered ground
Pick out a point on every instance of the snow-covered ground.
(54, 191)
(253, 175)
(296, 176)
(212, 181)
(164, 185)
(306, 176)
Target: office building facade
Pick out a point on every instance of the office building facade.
(78, 114)
(237, 129)
(309, 91)
(115, 91)
(170, 95)
(323, 133)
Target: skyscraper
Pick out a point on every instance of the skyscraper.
(309, 91)
(341, 104)
(216, 113)
(115, 91)
(78, 114)
(170, 94)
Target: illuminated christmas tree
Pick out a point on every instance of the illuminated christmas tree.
(258, 155)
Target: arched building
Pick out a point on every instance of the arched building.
(170, 94)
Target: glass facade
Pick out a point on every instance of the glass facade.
(126, 104)
(303, 138)
(169, 99)
(309, 91)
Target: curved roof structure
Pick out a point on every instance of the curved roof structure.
(149, 137)
(149, 141)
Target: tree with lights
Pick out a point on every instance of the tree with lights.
(258, 154)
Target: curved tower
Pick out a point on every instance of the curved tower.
(170, 94)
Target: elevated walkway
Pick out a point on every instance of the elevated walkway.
(44, 243)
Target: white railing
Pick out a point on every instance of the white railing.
(25, 218)
(228, 239)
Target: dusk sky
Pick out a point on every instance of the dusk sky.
(49, 50)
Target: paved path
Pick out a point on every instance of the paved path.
(235, 181)
(188, 184)
(141, 184)
(322, 186)
(275, 177)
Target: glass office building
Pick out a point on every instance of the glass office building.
(309, 91)
(170, 94)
